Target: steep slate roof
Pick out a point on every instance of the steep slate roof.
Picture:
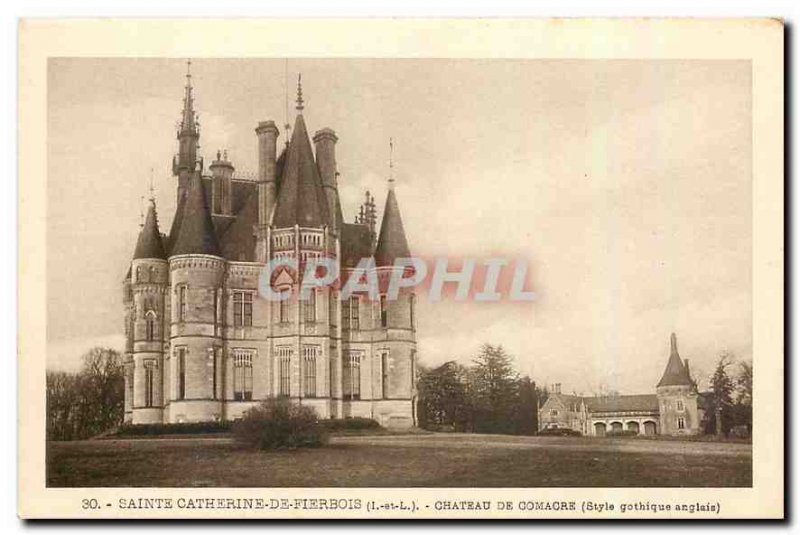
(196, 234)
(392, 241)
(176, 225)
(149, 244)
(239, 240)
(636, 402)
(675, 374)
(356, 243)
(301, 199)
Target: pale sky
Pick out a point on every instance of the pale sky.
(626, 183)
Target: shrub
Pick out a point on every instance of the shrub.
(188, 428)
(278, 423)
(559, 432)
(349, 424)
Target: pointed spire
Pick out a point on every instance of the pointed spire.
(299, 100)
(149, 244)
(188, 116)
(676, 373)
(301, 199)
(392, 241)
(152, 188)
(195, 234)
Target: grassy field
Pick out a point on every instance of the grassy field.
(402, 461)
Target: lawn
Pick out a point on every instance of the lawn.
(415, 461)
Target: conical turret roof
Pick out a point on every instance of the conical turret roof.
(301, 199)
(675, 374)
(392, 241)
(195, 229)
(149, 244)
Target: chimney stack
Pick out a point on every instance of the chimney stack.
(325, 147)
(222, 177)
(267, 134)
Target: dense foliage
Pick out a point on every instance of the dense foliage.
(186, 428)
(84, 404)
(279, 423)
(728, 405)
(349, 424)
(487, 397)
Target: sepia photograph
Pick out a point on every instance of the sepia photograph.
(306, 272)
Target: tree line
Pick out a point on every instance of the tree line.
(86, 403)
(488, 396)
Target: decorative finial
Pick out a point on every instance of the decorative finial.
(225, 155)
(391, 163)
(673, 343)
(141, 212)
(299, 106)
(188, 70)
(152, 188)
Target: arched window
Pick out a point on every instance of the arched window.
(150, 384)
(150, 325)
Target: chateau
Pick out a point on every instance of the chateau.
(203, 344)
(672, 410)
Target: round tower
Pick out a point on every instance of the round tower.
(395, 344)
(195, 370)
(148, 287)
(677, 396)
(127, 302)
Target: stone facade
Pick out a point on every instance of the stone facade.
(672, 410)
(204, 344)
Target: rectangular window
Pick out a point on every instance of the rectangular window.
(149, 383)
(310, 307)
(681, 423)
(384, 312)
(129, 384)
(553, 412)
(242, 375)
(310, 371)
(214, 352)
(150, 327)
(679, 405)
(181, 373)
(284, 371)
(346, 314)
(352, 377)
(354, 313)
(284, 306)
(182, 302)
(385, 374)
(242, 309)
